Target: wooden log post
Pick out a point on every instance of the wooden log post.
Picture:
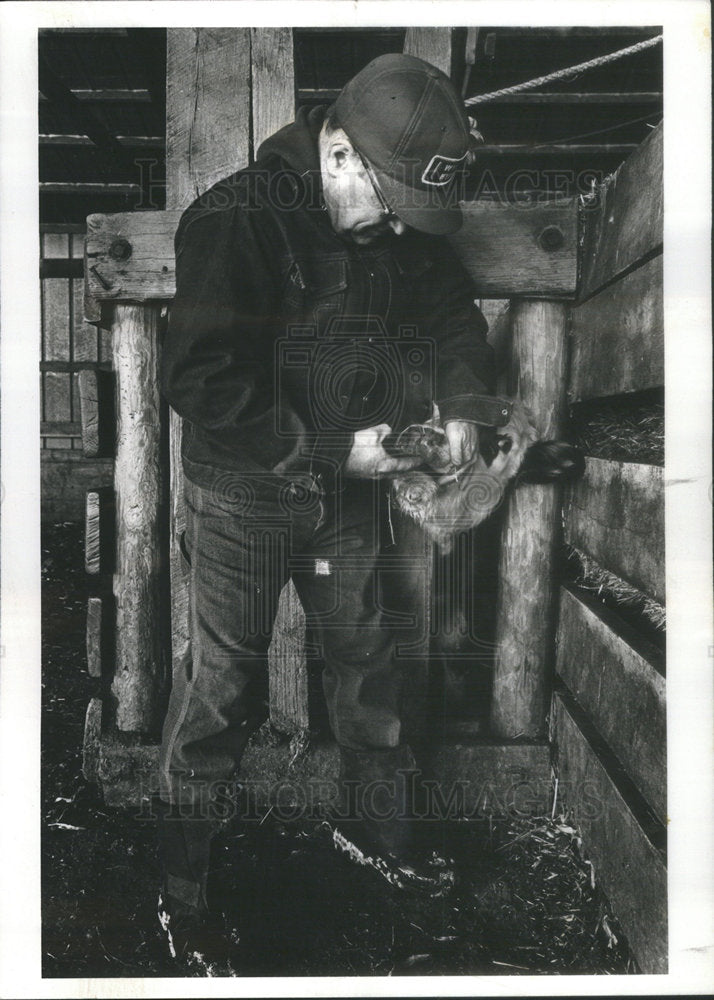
(525, 616)
(140, 666)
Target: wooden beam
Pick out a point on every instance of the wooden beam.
(140, 666)
(273, 81)
(625, 223)
(615, 514)
(431, 44)
(131, 141)
(509, 250)
(112, 95)
(617, 337)
(628, 865)
(617, 678)
(88, 187)
(580, 31)
(208, 108)
(88, 121)
(485, 779)
(60, 428)
(490, 152)
(526, 600)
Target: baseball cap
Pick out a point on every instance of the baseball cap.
(404, 117)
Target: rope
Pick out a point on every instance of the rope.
(562, 74)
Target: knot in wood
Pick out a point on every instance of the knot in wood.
(120, 249)
(551, 238)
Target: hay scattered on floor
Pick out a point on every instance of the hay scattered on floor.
(615, 592)
(623, 430)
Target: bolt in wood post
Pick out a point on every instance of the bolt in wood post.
(140, 659)
(525, 618)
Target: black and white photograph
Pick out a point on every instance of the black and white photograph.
(355, 342)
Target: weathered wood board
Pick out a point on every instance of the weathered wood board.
(434, 45)
(94, 636)
(96, 398)
(617, 337)
(272, 81)
(487, 779)
(505, 248)
(615, 514)
(208, 108)
(57, 398)
(629, 867)
(524, 629)
(287, 662)
(626, 222)
(617, 678)
(499, 245)
(98, 532)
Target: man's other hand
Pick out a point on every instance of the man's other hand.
(462, 436)
(368, 459)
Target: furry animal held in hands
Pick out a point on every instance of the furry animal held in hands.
(446, 501)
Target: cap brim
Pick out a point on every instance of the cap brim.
(430, 210)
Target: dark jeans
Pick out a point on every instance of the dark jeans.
(245, 537)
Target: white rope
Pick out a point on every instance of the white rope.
(562, 74)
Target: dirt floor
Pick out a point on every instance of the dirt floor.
(525, 902)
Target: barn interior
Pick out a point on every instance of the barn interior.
(103, 142)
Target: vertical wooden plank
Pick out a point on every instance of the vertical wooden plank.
(94, 636)
(273, 81)
(526, 602)
(140, 667)
(98, 532)
(207, 109)
(287, 663)
(84, 335)
(55, 318)
(96, 416)
(431, 44)
(57, 398)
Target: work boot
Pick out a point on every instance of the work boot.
(372, 822)
(195, 935)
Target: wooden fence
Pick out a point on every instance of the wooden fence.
(608, 715)
(607, 699)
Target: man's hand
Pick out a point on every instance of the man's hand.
(368, 459)
(462, 436)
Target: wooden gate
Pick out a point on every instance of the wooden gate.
(219, 81)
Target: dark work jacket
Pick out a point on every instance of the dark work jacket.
(285, 338)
